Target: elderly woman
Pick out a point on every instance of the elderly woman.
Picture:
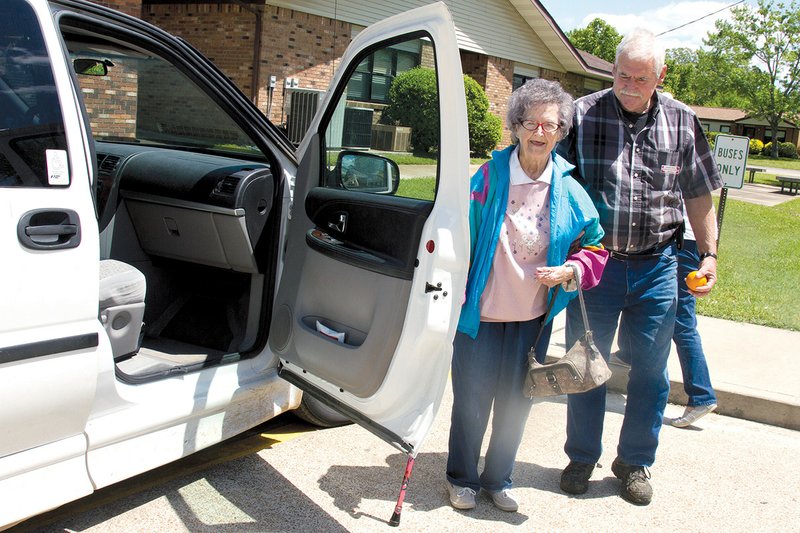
(528, 219)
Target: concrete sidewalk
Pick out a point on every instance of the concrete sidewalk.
(754, 370)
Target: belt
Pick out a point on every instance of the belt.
(650, 253)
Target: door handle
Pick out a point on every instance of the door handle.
(52, 230)
(49, 229)
(340, 224)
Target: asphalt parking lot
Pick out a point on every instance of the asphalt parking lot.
(726, 474)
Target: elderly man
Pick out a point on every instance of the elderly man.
(640, 156)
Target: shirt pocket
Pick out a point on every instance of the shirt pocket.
(664, 170)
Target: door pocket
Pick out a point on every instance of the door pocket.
(351, 337)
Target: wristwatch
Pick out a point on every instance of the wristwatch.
(707, 254)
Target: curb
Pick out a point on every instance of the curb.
(729, 403)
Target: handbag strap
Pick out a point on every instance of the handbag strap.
(580, 296)
(544, 320)
(576, 275)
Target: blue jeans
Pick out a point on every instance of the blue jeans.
(640, 294)
(488, 373)
(696, 380)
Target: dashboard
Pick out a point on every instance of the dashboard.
(203, 208)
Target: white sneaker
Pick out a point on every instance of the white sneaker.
(461, 497)
(505, 500)
(692, 414)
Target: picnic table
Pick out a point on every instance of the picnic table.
(753, 171)
(792, 182)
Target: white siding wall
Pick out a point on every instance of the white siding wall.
(491, 27)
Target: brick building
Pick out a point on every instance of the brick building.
(275, 50)
(738, 122)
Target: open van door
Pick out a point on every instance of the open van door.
(374, 275)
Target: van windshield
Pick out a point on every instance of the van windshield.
(137, 97)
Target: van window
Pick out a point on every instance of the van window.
(32, 142)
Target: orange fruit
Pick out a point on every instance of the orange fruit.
(692, 281)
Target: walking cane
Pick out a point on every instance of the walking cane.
(395, 520)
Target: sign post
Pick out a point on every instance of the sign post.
(730, 155)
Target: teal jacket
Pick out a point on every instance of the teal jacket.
(571, 212)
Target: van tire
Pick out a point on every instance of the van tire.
(315, 412)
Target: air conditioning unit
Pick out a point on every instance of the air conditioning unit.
(303, 104)
(357, 127)
(391, 138)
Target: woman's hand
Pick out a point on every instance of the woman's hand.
(552, 276)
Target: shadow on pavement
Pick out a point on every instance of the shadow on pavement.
(248, 495)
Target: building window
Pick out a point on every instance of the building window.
(523, 73)
(374, 75)
(706, 126)
(768, 135)
(724, 128)
(519, 80)
(591, 86)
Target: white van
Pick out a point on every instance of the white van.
(163, 288)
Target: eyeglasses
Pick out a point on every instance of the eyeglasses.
(547, 127)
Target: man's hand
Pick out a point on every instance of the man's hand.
(708, 268)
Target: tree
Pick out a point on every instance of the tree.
(681, 71)
(598, 38)
(695, 77)
(763, 45)
(710, 84)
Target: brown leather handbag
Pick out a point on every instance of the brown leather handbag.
(580, 370)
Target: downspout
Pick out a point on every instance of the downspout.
(256, 51)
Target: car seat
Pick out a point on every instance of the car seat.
(122, 292)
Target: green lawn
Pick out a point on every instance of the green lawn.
(759, 261)
(411, 159)
(423, 188)
(759, 266)
(764, 179)
(757, 160)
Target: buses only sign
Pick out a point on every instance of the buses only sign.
(730, 154)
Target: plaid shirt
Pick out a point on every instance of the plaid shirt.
(637, 180)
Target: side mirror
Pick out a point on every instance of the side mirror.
(91, 67)
(365, 172)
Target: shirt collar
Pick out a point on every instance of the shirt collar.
(652, 112)
(518, 176)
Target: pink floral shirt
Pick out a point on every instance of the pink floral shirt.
(512, 292)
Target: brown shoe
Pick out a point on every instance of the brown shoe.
(635, 487)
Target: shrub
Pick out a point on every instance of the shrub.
(712, 137)
(484, 134)
(767, 150)
(485, 129)
(756, 146)
(413, 102)
(787, 150)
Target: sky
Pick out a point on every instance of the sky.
(656, 15)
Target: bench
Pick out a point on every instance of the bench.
(791, 182)
(753, 171)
